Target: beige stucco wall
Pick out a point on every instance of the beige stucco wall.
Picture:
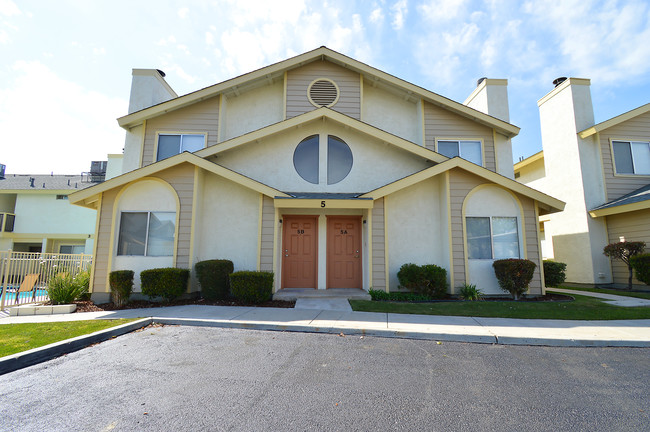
(416, 228)
(632, 226)
(392, 113)
(270, 160)
(43, 213)
(251, 110)
(227, 225)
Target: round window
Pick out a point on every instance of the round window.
(339, 159)
(323, 92)
(305, 159)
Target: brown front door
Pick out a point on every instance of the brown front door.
(343, 252)
(299, 251)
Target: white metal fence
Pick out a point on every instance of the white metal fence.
(24, 275)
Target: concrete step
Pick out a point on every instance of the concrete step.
(310, 293)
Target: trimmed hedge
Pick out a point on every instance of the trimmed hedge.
(168, 283)
(213, 278)
(252, 286)
(378, 295)
(641, 265)
(121, 282)
(514, 275)
(429, 280)
(554, 273)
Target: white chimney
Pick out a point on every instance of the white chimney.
(148, 88)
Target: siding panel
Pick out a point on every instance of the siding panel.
(378, 246)
(638, 129)
(199, 117)
(103, 242)
(298, 81)
(440, 123)
(634, 226)
(266, 245)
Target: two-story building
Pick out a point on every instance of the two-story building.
(601, 171)
(321, 169)
(36, 216)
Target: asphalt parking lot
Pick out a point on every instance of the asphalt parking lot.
(205, 379)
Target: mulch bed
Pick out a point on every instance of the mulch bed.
(89, 306)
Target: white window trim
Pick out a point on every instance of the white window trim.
(492, 258)
(158, 133)
(628, 141)
(146, 235)
(459, 140)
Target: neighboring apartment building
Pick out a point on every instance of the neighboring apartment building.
(601, 171)
(322, 169)
(36, 216)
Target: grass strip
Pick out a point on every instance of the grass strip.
(583, 308)
(15, 338)
(643, 295)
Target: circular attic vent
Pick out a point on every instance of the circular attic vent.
(323, 92)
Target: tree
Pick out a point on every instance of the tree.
(623, 251)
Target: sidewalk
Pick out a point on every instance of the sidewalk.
(630, 333)
(613, 299)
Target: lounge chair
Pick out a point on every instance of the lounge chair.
(28, 285)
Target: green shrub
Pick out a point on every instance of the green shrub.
(378, 295)
(168, 283)
(641, 265)
(624, 251)
(514, 275)
(470, 292)
(554, 273)
(83, 279)
(121, 282)
(63, 288)
(213, 277)
(252, 286)
(428, 280)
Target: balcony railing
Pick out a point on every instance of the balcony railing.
(7, 221)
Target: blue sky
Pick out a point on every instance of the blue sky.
(66, 66)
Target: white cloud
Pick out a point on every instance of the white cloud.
(377, 16)
(76, 125)
(4, 37)
(99, 51)
(8, 8)
(166, 41)
(400, 9)
(180, 72)
(209, 38)
(442, 10)
(182, 12)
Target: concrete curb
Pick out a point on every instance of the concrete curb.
(37, 355)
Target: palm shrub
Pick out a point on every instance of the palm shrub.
(64, 288)
(121, 283)
(641, 265)
(429, 279)
(554, 273)
(624, 251)
(168, 283)
(213, 278)
(470, 292)
(514, 275)
(252, 286)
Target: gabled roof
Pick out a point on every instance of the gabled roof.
(635, 200)
(88, 197)
(529, 160)
(615, 120)
(273, 71)
(547, 203)
(318, 115)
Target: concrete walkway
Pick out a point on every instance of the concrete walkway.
(612, 299)
(635, 333)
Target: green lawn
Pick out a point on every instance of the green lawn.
(643, 295)
(583, 308)
(15, 338)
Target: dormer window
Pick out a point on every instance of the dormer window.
(172, 144)
(632, 157)
(468, 150)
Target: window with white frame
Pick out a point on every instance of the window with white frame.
(147, 233)
(468, 150)
(493, 237)
(172, 144)
(72, 249)
(632, 157)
